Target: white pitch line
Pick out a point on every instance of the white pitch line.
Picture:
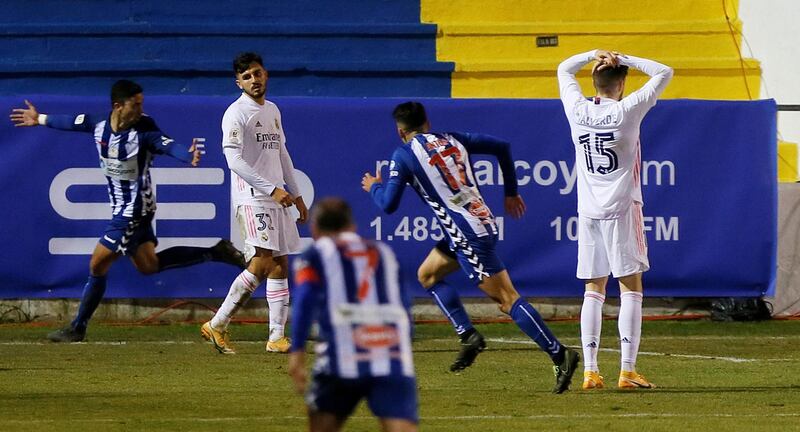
(658, 354)
(120, 343)
(422, 418)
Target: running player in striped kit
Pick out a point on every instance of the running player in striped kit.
(254, 145)
(437, 166)
(605, 132)
(351, 287)
(126, 141)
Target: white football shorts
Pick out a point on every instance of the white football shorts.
(616, 246)
(274, 229)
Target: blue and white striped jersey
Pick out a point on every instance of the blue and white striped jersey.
(125, 158)
(437, 166)
(351, 287)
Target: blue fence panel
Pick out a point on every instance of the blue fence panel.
(709, 175)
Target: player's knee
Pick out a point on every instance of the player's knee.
(506, 296)
(261, 267)
(280, 268)
(506, 303)
(98, 267)
(426, 278)
(147, 268)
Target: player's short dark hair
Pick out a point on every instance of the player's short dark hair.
(607, 78)
(411, 115)
(243, 61)
(331, 214)
(123, 90)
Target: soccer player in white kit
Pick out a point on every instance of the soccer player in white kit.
(605, 131)
(254, 145)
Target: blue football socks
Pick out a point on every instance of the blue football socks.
(448, 300)
(531, 323)
(92, 294)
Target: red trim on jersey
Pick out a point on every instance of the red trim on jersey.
(639, 229)
(250, 224)
(306, 274)
(373, 256)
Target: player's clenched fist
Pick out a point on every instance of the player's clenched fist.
(368, 180)
(197, 150)
(282, 197)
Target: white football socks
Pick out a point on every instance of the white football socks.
(278, 300)
(630, 328)
(239, 293)
(591, 324)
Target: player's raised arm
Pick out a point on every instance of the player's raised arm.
(569, 89)
(660, 75)
(30, 116)
(388, 196)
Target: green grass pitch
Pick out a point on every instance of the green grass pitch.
(711, 377)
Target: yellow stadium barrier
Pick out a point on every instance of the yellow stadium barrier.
(497, 45)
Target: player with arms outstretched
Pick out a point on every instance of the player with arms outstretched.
(254, 145)
(605, 132)
(437, 166)
(126, 140)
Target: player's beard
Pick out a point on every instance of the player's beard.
(257, 92)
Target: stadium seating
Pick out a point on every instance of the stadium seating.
(495, 48)
(312, 48)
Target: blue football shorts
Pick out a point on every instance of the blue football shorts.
(124, 235)
(387, 396)
(477, 256)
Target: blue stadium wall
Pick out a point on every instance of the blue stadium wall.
(311, 48)
(711, 227)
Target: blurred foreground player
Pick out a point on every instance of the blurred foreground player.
(350, 286)
(611, 239)
(437, 166)
(126, 140)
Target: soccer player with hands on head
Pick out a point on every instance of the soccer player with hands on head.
(611, 239)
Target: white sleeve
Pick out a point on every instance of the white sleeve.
(232, 130)
(568, 86)
(232, 136)
(238, 165)
(645, 98)
(286, 161)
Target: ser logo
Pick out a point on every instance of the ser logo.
(171, 177)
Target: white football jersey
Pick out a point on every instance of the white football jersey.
(605, 133)
(255, 147)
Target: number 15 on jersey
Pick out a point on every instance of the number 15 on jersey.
(595, 144)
